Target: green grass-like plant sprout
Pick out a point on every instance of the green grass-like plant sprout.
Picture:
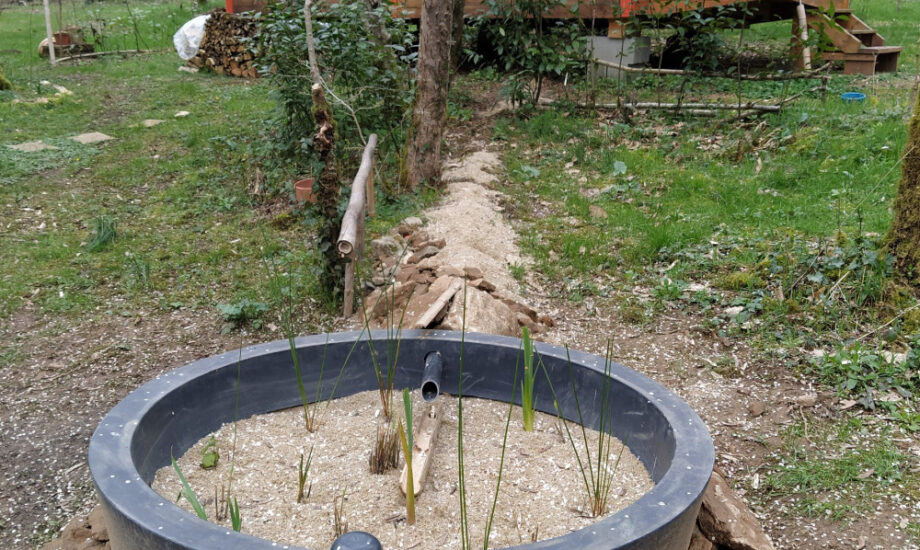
(406, 439)
(527, 403)
(187, 492)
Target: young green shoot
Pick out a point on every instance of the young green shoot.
(407, 444)
(236, 520)
(187, 491)
(339, 522)
(303, 470)
(530, 374)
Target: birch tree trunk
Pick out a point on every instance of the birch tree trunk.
(423, 155)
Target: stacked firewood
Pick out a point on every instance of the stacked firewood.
(229, 45)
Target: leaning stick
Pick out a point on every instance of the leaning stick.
(432, 312)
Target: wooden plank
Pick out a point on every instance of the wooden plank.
(843, 40)
(432, 312)
(422, 451)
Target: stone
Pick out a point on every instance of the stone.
(32, 146)
(725, 520)
(418, 238)
(91, 137)
(413, 222)
(698, 541)
(424, 277)
(76, 530)
(420, 302)
(96, 520)
(757, 408)
(396, 296)
(473, 272)
(806, 399)
(483, 314)
(518, 307)
(526, 321)
(151, 122)
(426, 252)
(733, 312)
(597, 212)
(181, 114)
(449, 270)
(385, 247)
(406, 273)
(546, 320)
(440, 243)
(378, 280)
(482, 284)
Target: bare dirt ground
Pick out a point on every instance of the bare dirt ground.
(69, 373)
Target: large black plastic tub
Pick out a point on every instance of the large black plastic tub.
(175, 410)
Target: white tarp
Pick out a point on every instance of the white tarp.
(188, 37)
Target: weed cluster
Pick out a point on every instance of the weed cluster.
(871, 376)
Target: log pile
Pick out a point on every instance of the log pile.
(229, 44)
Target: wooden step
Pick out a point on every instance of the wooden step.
(867, 61)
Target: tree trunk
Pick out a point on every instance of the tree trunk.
(423, 157)
(456, 46)
(327, 190)
(904, 234)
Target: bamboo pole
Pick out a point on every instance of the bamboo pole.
(351, 236)
(48, 32)
(348, 236)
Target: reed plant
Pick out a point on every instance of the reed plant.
(339, 521)
(596, 471)
(303, 471)
(407, 441)
(530, 375)
(385, 454)
(385, 369)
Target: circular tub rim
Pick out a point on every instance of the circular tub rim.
(124, 493)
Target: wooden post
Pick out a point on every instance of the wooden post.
(349, 288)
(48, 32)
(803, 35)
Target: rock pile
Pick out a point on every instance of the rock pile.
(415, 289)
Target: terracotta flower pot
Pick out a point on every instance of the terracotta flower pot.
(303, 191)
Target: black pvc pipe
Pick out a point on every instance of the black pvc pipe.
(431, 376)
(356, 540)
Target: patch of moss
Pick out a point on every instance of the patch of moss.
(738, 280)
